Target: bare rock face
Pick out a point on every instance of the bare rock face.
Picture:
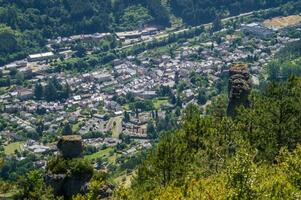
(67, 174)
(239, 88)
(66, 185)
(70, 146)
(106, 191)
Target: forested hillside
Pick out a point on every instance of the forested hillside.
(26, 24)
(252, 155)
(287, 63)
(196, 12)
(255, 155)
(66, 17)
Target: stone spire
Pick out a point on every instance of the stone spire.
(63, 173)
(70, 146)
(239, 88)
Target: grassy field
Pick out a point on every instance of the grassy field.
(101, 153)
(122, 178)
(282, 22)
(7, 196)
(126, 106)
(158, 51)
(158, 102)
(76, 127)
(112, 159)
(115, 124)
(296, 61)
(3, 90)
(10, 149)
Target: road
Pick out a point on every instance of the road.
(165, 35)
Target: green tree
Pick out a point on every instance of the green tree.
(126, 117)
(151, 130)
(274, 71)
(179, 102)
(19, 78)
(13, 72)
(80, 50)
(272, 121)
(67, 130)
(241, 177)
(51, 93)
(8, 40)
(201, 98)
(32, 186)
(66, 92)
(38, 90)
(166, 163)
(217, 24)
(40, 127)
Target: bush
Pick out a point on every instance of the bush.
(75, 166)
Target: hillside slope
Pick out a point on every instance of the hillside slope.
(26, 24)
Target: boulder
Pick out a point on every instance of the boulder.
(70, 146)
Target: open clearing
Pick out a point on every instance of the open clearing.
(10, 149)
(282, 22)
(99, 154)
(159, 102)
(115, 124)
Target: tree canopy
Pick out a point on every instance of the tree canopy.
(252, 156)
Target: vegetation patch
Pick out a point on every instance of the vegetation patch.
(13, 147)
(99, 154)
(76, 166)
(158, 102)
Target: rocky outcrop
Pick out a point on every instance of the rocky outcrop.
(106, 191)
(70, 146)
(239, 88)
(68, 174)
(67, 186)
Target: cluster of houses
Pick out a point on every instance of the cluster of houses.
(93, 107)
(258, 30)
(39, 62)
(98, 88)
(271, 27)
(126, 36)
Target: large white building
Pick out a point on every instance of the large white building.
(40, 56)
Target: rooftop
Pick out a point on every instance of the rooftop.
(39, 55)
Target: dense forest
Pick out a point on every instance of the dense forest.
(255, 155)
(195, 12)
(26, 24)
(287, 62)
(252, 155)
